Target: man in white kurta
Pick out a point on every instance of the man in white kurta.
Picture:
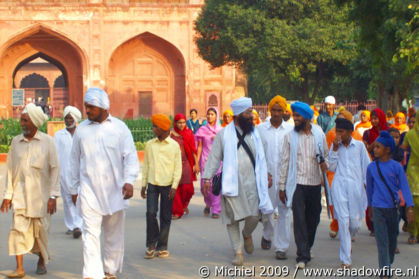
(349, 159)
(105, 166)
(32, 185)
(64, 141)
(272, 133)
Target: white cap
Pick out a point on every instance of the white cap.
(330, 100)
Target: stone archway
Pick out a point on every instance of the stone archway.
(146, 75)
(42, 41)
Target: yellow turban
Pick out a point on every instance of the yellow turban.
(161, 121)
(347, 114)
(289, 110)
(278, 100)
(228, 112)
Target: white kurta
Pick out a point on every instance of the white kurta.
(103, 159)
(348, 192)
(64, 141)
(272, 139)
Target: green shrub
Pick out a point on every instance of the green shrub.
(4, 148)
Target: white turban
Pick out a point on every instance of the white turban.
(97, 97)
(74, 112)
(36, 114)
(240, 105)
(330, 100)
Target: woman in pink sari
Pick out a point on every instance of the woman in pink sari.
(204, 138)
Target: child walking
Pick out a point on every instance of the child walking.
(348, 159)
(385, 177)
(161, 173)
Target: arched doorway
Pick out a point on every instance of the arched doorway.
(44, 81)
(40, 41)
(146, 75)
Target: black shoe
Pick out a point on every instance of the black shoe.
(76, 233)
(266, 244)
(279, 255)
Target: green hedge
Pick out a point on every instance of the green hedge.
(141, 129)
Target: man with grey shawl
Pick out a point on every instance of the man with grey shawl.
(245, 176)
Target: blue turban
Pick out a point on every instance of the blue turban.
(303, 109)
(387, 140)
(97, 97)
(240, 105)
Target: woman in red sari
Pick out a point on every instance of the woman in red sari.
(184, 136)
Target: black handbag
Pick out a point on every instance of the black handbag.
(216, 183)
(217, 179)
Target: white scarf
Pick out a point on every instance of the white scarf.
(230, 180)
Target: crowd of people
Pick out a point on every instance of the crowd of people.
(250, 171)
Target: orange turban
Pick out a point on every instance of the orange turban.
(161, 121)
(278, 100)
(257, 116)
(347, 115)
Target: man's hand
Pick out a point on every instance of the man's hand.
(283, 196)
(410, 215)
(336, 143)
(207, 186)
(172, 193)
(323, 167)
(6, 205)
(74, 199)
(143, 193)
(127, 191)
(269, 180)
(52, 206)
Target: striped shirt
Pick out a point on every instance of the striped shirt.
(308, 170)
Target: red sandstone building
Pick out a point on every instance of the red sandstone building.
(141, 51)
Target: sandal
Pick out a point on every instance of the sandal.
(149, 254)
(215, 216)
(206, 211)
(40, 270)
(175, 217)
(411, 240)
(186, 211)
(15, 274)
(163, 254)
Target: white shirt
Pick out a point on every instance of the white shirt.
(104, 158)
(272, 139)
(63, 141)
(349, 164)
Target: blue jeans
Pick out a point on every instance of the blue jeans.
(386, 224)
(155, 235)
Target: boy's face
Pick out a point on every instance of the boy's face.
(396, 137)
(399, 120)
(380, 150)
(345, 135)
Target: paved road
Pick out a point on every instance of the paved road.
(194, 241)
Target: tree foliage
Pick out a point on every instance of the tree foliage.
(293, 45)
(388, 30)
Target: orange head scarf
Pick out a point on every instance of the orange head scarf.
(227, 112)
(367, 124)
(257, 116)
(401, 127)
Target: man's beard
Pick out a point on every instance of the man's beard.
(246, 124)
(71, 126)
(26, 132)
(298, 128)
(286, 117)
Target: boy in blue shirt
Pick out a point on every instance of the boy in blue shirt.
(382, 192)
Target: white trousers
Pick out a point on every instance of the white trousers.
(282, 232)
(113, 242)
(72, 218)
(250, 224)
(268, 221)
(348, 228)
